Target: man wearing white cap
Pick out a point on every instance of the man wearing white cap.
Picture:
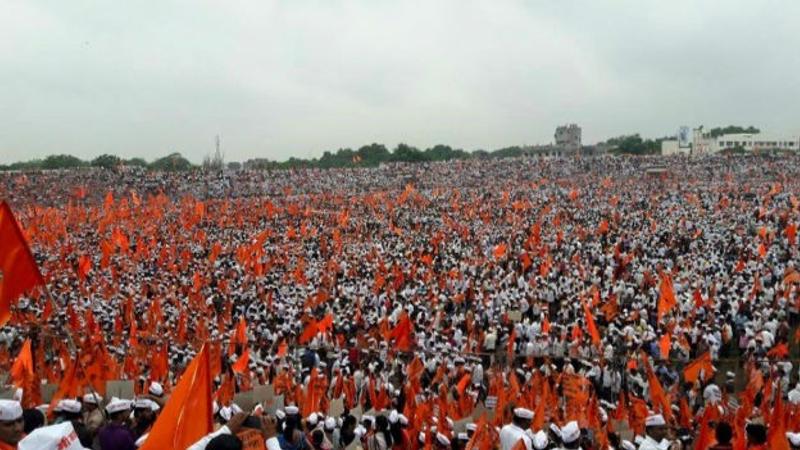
(656, 433)
(511, 433)
(540, 440)
(571, 435)
(11, 424)
(92, 414)
(116, 435)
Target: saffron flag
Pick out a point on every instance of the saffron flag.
(187, 416)
(591, 325)
(666, 298)
(692, 370)
(402, 333)
(664, 345)
(779, 351)
(18, 270)
(240, 366)
(500, 250)
(23, 365)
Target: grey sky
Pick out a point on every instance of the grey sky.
(296, 78)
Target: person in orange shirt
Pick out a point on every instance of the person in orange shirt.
(11, 424)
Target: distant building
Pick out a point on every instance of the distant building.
(703, 143)
(567, 143)
(673, 147)
(568, 137)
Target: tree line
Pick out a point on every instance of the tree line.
(371, 155)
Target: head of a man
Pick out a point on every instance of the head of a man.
(225, 442)
(12, 424)
(656, 427)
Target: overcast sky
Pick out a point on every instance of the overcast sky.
(295, 78)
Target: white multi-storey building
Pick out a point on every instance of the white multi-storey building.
(703, 143)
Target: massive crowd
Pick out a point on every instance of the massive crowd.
(515, 303)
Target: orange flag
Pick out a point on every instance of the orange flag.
(791, 233)
(692, 370)
(664, 345)
(309, 332)
(779, 351)
(591, 325)
(22, 374)
(240, 366)
(187, 415)
(500, 250)
(603, 227)
(776, 436)
(402, 333)
(666, 298)
(18, 270)
(658, 398)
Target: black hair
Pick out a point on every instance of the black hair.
(723, 433)
(33, 419)
(225, 442)
(382, 426)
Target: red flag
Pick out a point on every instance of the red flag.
(18, 270)
(791, 233)
(187, 415)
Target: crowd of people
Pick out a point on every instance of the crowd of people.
(501, 303)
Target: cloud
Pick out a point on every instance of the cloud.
(279, 79)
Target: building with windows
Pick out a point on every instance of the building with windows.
(567, 143)
(704, 143)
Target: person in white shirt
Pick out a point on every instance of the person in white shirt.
(269, 429)
(511, 433)
(656, 433)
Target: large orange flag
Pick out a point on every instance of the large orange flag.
(187, 415)
(18, 270)
(402, 333)
(666, 298)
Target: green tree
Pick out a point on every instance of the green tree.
(106, 161)
(62, 162)
(445, 153)
(407, 153)
(507, 152)
(174, 162)
(136, 162)
(373, 154)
